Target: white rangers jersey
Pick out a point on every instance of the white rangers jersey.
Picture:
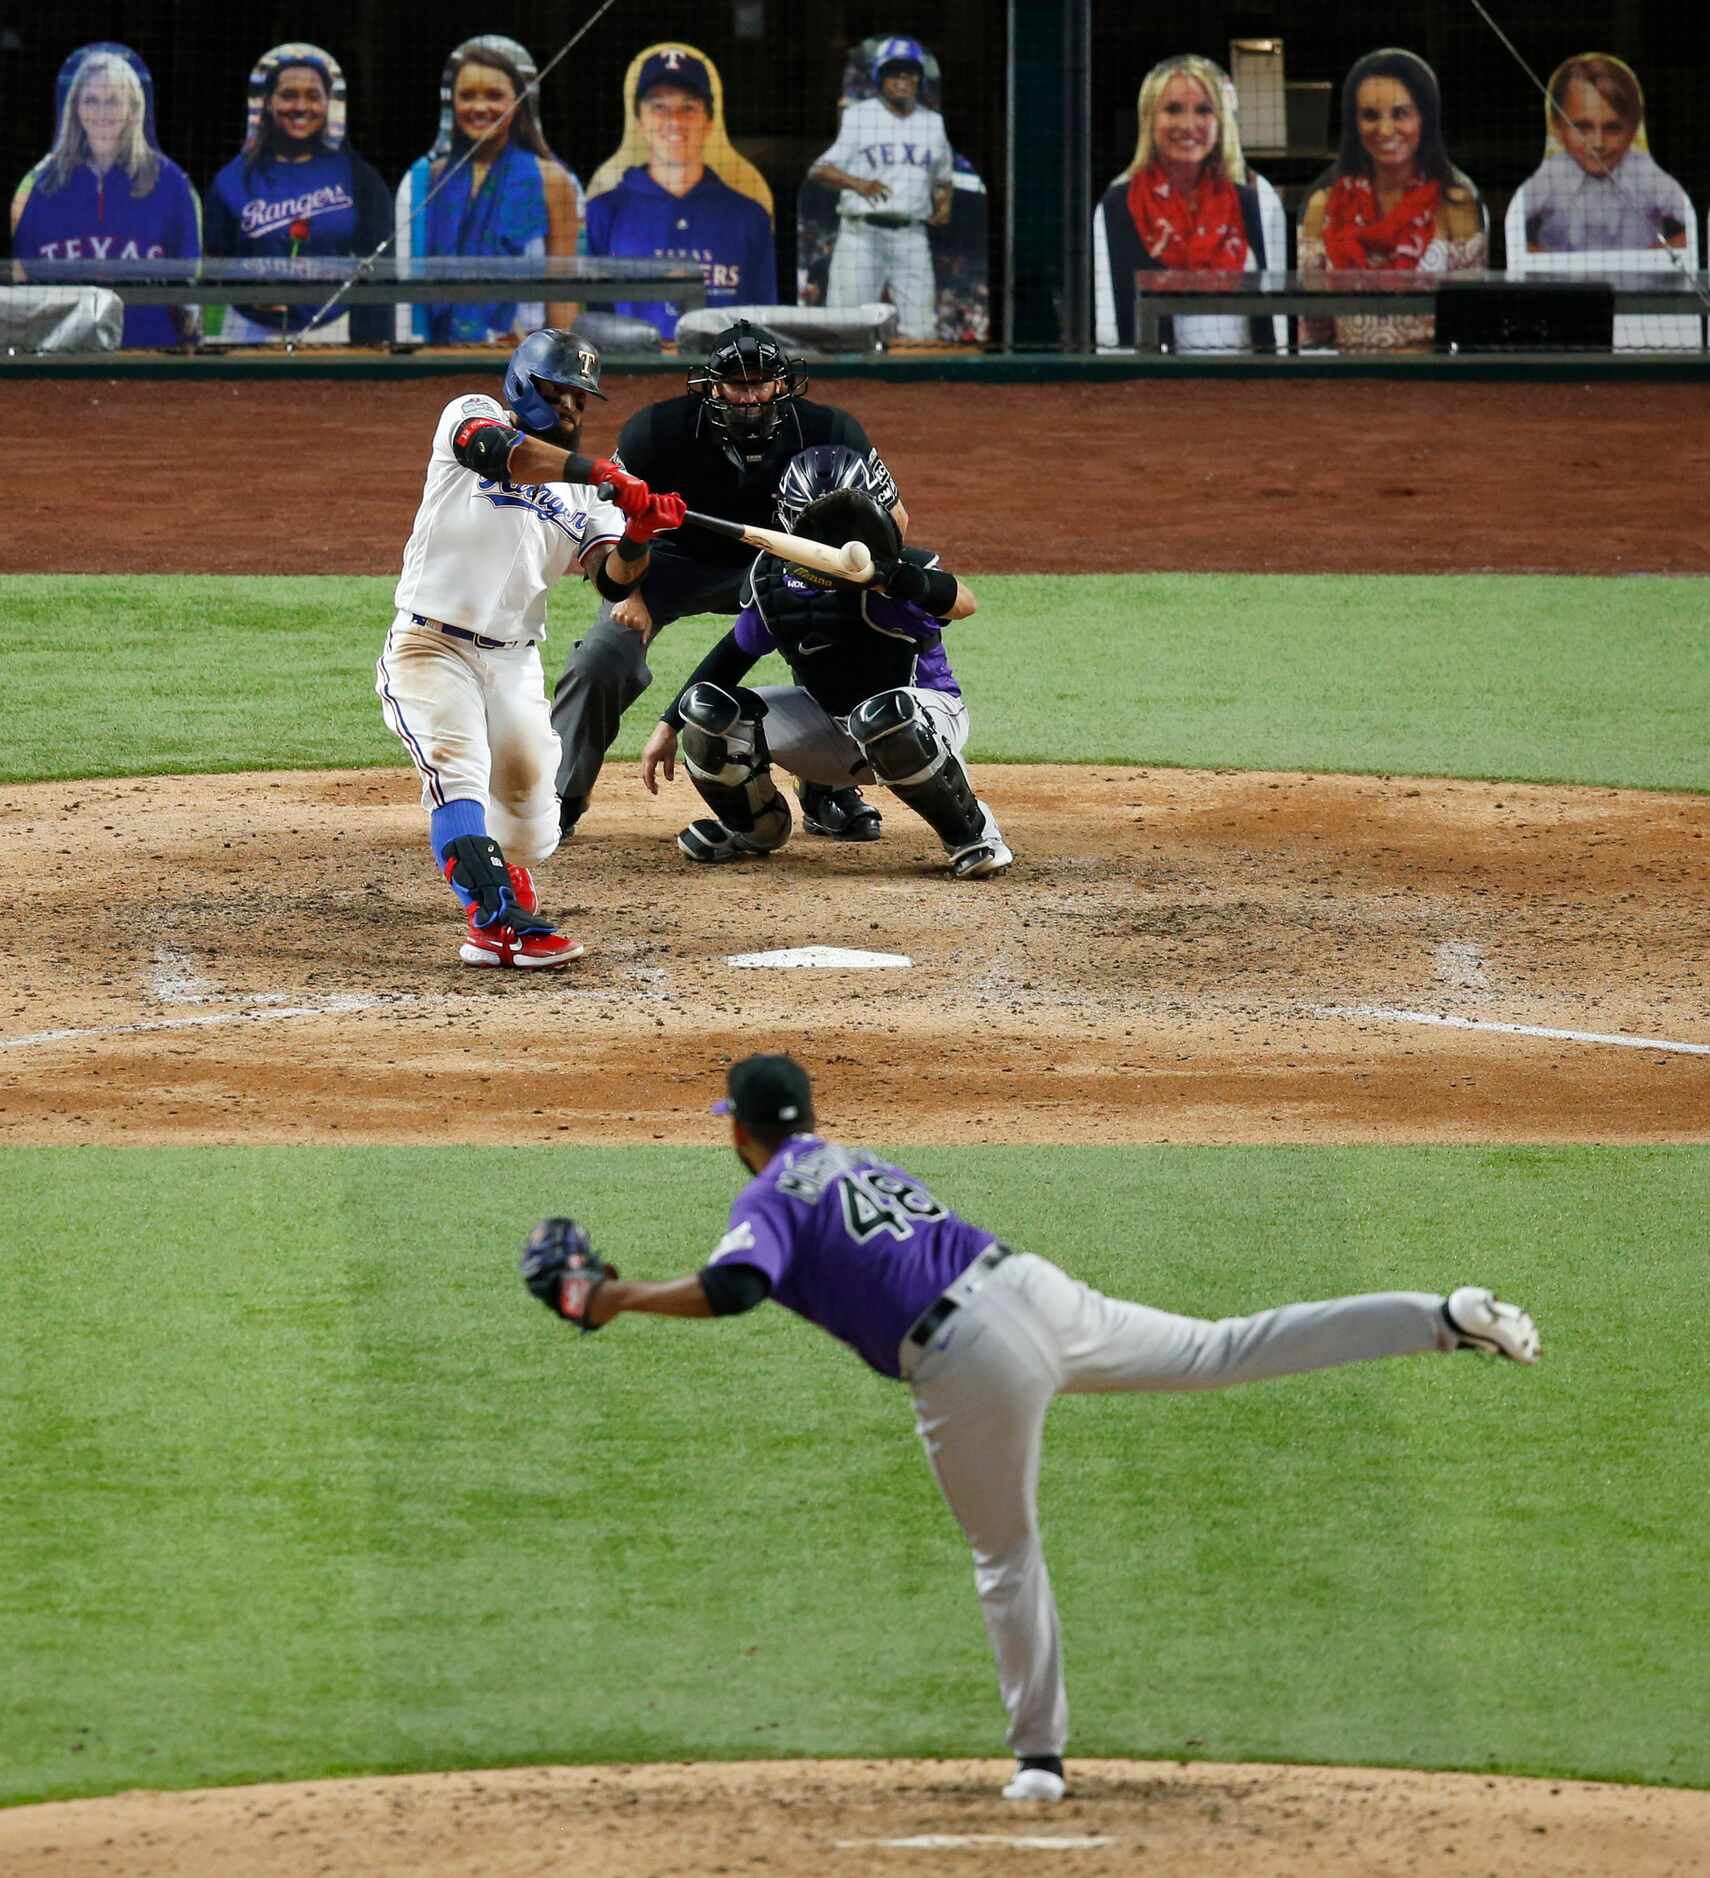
(483, 554)
(909, 155)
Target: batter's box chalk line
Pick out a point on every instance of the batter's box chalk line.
(1383, 1014)
(820, 958)
(960, 1841)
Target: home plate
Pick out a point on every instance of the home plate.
(831, 958)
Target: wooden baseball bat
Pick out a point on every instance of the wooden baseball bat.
(853, 561)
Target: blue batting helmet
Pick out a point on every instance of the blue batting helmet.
(559, 358)
(899, 52)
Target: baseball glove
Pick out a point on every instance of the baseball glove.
(563, 1270)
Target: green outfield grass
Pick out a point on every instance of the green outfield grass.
(1518, 678)
(299, 1480)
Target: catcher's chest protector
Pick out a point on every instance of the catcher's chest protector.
(834, 649)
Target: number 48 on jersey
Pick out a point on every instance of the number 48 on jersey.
(875, 1201)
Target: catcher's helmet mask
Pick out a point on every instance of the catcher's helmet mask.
(551, 358)
(747, 354)
(815, 473)
(851, 515)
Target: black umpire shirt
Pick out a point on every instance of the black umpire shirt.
(674, 446)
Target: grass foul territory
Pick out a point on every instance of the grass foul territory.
(299, 1480)
(1521, 678)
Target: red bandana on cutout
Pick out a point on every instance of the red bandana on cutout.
(1205, 234)
(1355, 235)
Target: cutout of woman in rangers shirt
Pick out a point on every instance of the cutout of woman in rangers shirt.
(105, 191)
(296, 189)
(676, 189)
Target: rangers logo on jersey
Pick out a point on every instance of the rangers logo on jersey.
(538, 497)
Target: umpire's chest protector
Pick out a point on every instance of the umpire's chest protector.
(826, 633)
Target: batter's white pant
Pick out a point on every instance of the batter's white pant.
(804, 738)
(1027, 1332)
(476, 725)
(866, 260)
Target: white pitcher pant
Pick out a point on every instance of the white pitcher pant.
(477, 726)
(1026, 1332)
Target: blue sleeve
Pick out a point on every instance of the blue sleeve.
(184, 235)
(219, 225)
(599, 222)
(370, 325)
(24, 237)
(763, 261)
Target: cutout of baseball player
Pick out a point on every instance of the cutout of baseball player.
(893, 165)
(723, 447)
(508, 508)
(874, 697)
(106, 190)
(677, 190)
(985, 1336)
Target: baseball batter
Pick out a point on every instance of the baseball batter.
(508, 507)
(893, 164)
(985, 1336)
(874, 700)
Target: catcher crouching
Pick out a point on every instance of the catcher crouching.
(874, 700)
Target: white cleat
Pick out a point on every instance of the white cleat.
(1036, 1783)
(1484, 1323)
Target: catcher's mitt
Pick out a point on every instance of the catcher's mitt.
(563, 1270)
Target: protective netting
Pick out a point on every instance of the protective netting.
(841, 172)
(1312, 188)
(1405, 179)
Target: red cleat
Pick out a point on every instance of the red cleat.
(503, 945)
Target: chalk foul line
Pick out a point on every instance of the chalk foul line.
(265, 1014)
(1381, 1013)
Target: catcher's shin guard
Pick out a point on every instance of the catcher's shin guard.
(898, 739)
(724, 750)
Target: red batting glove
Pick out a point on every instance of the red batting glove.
(629, 492)
(661, 513)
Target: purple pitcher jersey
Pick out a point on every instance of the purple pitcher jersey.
(850, 1242)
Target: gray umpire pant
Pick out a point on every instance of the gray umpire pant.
(607, 669)
(1027, 1332)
